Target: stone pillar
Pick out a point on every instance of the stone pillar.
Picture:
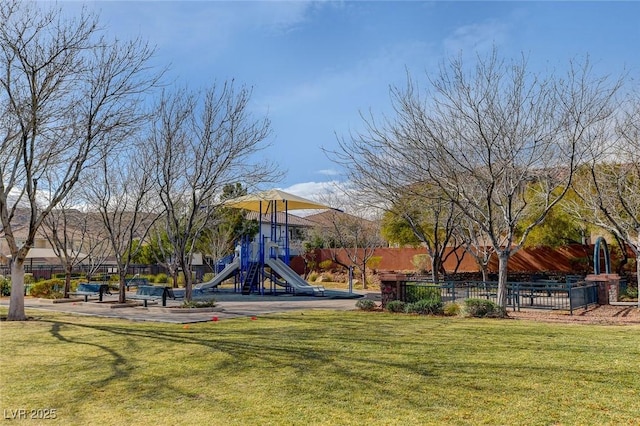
(392, 287)
(608, 287)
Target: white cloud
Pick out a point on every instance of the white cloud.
(329, 172)
(317, 191)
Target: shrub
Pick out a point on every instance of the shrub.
(419, 292)
(325, 265)
(481, 308)
(329, 277)
(161, 279)
(426, 307)
(396, 306)
(48, 289)
(199, 304)
(366, 304)
(28, 278)
(629, 294)
(5, 286)
(208, 277)
(313, 276)
(452, 309)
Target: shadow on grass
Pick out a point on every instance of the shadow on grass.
(327, 351)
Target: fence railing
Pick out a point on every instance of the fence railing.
(531, 295)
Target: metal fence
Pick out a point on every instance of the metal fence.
(549, 295)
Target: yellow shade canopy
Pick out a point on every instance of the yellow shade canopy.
(273, 200)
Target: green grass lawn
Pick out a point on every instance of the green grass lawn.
(320, 367)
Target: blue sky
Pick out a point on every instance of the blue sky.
(315, 66)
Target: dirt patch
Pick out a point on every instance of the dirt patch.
(605, 314)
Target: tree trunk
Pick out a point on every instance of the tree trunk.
(16, 302)
(503, 261)
(174, 277)
(435, 268)
(67, 281)
(186, 272)
(122, 286)
(434, 273)
(364, 276)
(188, 294)
(483, 268)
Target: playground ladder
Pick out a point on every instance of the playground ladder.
(250, 278)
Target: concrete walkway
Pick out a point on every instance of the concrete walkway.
(228, 305)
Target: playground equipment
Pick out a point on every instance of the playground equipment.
(229, 270)
(266, 258)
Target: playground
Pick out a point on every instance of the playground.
(261, 264)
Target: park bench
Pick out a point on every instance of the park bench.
(90, 289)
(136, 282)
(153, 293)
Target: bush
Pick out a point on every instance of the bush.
(208, 277)
(5, 286)
(396, 306)
(329, 277)
(48, 289)
(366, 304)
(481, 308)
(426, 307)
(211, 303)
(161, 279)
(452, 309)
(420, 292)
(325, 265)
(312, 277)
(28, 278)
(629, 294)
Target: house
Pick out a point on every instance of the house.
(277, 229)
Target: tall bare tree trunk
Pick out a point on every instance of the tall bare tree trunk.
(16, 302)
(503, 261)
(67, 280)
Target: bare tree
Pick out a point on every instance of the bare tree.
(163, 251)
(65, 93)
(120, 190)
(95, 244)
(472, 239)
(202, 142)
(67, 229)
(351, 236)
(496, 140)
(609, 190)
(432, 220)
